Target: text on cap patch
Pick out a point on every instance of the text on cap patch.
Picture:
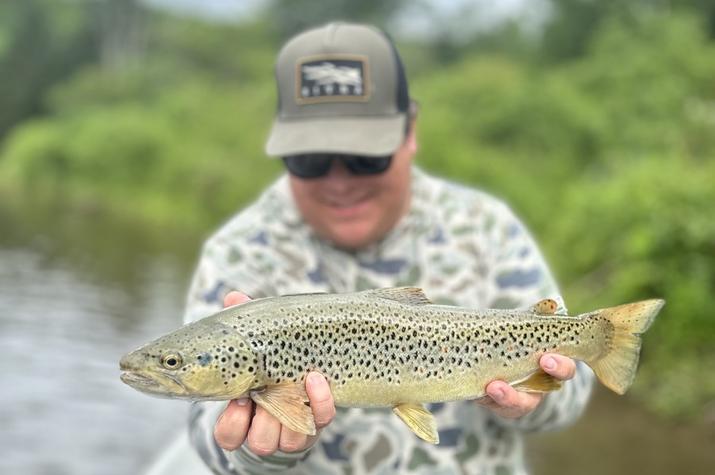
(332, 79)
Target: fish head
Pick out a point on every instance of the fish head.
(198, 361)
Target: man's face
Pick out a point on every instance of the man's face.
(354, 211)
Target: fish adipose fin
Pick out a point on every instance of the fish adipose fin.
(617, 368)
(287, 403)
(405, 295)
(420, 420)
(545, 307)
(538, 382)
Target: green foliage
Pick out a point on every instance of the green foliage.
(127, 155)
(609, 155)
(632, 71)
(642, 230)
(41, 42)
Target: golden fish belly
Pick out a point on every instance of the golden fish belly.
(459, 385)
(381, 393)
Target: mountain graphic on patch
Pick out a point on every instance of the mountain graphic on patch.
(331, 79)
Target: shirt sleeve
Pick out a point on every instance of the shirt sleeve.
(212, 279)
(519, 277)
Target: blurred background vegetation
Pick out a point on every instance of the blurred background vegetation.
(594, 119)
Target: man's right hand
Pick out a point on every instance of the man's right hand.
(262, 432)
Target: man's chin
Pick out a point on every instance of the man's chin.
(352, 237)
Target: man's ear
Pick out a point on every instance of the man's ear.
(411, 139)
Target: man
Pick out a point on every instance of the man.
(354, 213)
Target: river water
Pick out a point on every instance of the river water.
(78, 289)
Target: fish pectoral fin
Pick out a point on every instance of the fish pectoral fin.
(287, 403)
(538, 382)
(545, 307)
(420, 420)
(404, 295)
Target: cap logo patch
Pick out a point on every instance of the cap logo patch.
(332, 79)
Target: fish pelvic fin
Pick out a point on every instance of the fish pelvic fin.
(419, 420)
(287, 403)
(617, 368)
(539, 382)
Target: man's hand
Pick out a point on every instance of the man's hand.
(507, 402)
(261, 431)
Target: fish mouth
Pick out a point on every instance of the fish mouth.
(133, 378)
(156, 384)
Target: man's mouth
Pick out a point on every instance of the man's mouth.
(345, 203)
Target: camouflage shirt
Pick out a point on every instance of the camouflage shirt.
(463, 247)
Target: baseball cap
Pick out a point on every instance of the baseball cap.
(341, 89)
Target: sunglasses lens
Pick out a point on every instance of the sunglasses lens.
(317, 165)
(308, 166)
(367, 165)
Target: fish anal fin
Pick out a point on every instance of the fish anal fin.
(405, 295)
(286, 402)
(545, 307)
(539, 382)
(419, 420)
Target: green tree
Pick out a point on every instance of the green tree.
(43, 42)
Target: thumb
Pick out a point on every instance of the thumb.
(235, 297)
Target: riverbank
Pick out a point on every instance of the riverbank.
(618, 436)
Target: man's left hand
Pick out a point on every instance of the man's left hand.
(507, 402)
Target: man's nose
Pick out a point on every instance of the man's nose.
(338, 177)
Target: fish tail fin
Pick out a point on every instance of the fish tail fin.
(617, 368)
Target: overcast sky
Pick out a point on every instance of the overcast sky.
(420, 18)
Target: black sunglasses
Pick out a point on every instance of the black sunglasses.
(315, 165)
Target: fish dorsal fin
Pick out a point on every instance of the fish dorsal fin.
(420, 420)
(545, 307)
(538, 382)
(405, 295)
(286, 402)
(304, 293)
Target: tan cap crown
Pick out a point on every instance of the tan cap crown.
(341, 89)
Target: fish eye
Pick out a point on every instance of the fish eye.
(171, 361)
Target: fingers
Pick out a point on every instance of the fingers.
(560, 367)
(232, 426)
(235, 297)
(507, 402)
(291, 441)
(321, 399)
(262, 433)
(265, 433)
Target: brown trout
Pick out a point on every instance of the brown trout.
(385, 347)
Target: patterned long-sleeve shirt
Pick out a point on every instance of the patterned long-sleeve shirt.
(463, 247)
